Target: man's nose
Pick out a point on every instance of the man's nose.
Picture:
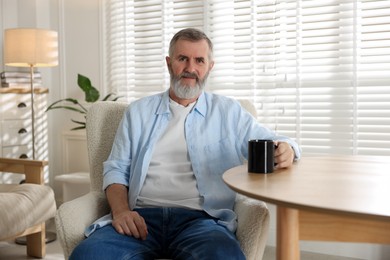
(190, 66)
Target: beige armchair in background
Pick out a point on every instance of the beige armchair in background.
(74, 216)
(25, 207)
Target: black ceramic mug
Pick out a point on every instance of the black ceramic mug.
(261, 156)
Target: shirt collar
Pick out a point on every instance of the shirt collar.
(200, 105)
(163, 108)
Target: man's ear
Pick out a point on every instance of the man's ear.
(168, 61)
(211, 66)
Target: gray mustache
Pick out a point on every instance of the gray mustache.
(189, 75)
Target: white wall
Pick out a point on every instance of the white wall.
(79, 25)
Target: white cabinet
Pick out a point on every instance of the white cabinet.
(15, 126)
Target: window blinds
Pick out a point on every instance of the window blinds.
(317, 71)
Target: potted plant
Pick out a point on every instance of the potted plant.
(72, 104)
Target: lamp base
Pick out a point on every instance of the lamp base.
(50, 237)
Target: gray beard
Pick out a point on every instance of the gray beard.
(187, 92)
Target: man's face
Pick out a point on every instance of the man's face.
(189, 68)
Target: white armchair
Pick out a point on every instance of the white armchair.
(24, 208)
(74, 216)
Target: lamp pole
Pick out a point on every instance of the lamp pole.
(32, 110)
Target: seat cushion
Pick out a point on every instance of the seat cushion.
(23, 206)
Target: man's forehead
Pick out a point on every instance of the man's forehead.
(199, 49)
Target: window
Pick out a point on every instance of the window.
(317, 71)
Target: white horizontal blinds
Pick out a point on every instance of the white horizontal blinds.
(326, 76)
(138, 35)
(283, 44)
(255, 50)
(180, 14)
(373, 78)
(120, 45)
(183, 14)
(274, 51)
(317, 71)
(147, 60)
(229, 27)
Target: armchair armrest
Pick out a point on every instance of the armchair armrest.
(74, 216)
(32, 169)
(35, 204)
(253, 224)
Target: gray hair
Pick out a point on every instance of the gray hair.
(193, 35)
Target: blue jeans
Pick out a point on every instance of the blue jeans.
(172, 233)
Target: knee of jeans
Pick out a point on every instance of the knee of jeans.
(215, 245)
(225, 247)
(78, 253)
(88, 249)
(211, 252)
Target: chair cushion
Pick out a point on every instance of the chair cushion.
(23, 206)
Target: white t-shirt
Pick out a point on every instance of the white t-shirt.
(170, 181)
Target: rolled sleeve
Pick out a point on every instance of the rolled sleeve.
(115, 172)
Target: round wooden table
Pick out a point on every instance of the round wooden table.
(330, 198)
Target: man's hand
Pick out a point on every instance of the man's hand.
(130, 223)
(284, 155)
(125, 221)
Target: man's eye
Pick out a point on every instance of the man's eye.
(182, 59)
(200, 60)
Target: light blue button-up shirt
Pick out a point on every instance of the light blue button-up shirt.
(217, 131)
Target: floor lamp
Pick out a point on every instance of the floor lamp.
(31, 47)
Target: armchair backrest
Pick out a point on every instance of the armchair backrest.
(102, 121)
(248, 106)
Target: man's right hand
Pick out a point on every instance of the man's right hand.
(125, 221)
(130, 223)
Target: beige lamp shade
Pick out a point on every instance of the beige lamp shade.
(30, 48)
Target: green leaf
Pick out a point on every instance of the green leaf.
(69, 108)
(82, 125)
(107, 97)
(77, 106)
(77, 128)
(71, 100)
(115, 99)
(91, 93)
(78, 122)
